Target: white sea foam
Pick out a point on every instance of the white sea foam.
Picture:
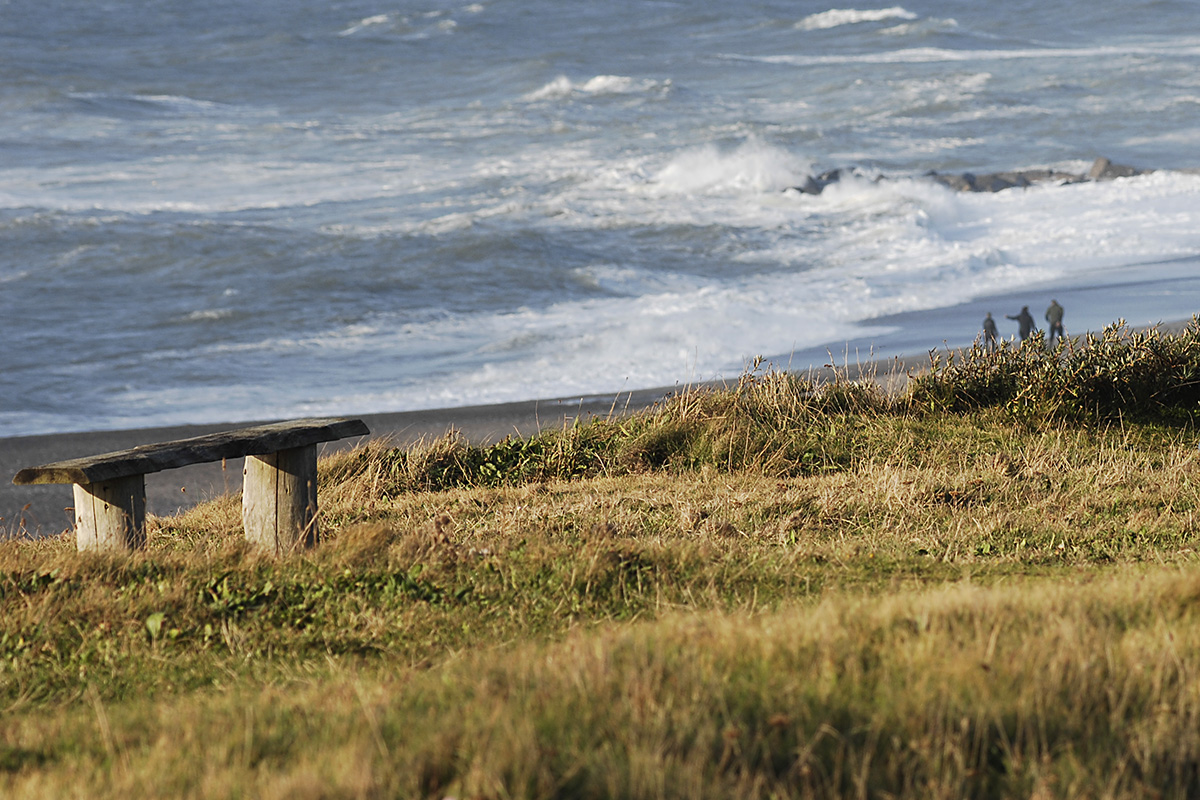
(879, 248)
(753, 166)
(367, 22)
(908, 246)
(836, 17)
(1188, 47)
(167, 103)
(631, 282)
(560, 87)
(921, 27)
(905, 245)
(209, 315)
(942, 89)
(563, 87)
(197, 185)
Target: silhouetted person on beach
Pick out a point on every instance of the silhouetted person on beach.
(1054, 317)
(1024, 322)
(989, 332)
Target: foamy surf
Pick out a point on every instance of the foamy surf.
(837, 17)
(347, 209)
(563, 87)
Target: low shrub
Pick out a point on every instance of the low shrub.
(1119, 373)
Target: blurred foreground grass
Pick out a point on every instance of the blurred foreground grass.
(974, 588)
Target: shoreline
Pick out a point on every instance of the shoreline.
(45, 509)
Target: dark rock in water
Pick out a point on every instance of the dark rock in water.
(1016, 179)
(1104, 170)
(810, 186)
(993, 183)
(999, 181)
(1101, 170)
(959, 183)
(816, 185)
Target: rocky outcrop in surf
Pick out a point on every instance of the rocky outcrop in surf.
(1102, 170)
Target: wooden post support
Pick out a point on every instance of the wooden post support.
(111, 515)
(279, 499)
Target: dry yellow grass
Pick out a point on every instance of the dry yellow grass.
(1044, 689)
(767, 593)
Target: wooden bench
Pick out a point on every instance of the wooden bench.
(279, 488)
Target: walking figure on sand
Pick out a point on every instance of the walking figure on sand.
(1024, 322)
(989, 332)
(1054, 315)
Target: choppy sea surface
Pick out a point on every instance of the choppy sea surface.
(228, 211)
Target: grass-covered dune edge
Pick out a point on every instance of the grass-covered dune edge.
(984, 586)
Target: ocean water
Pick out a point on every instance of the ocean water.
(233, 211)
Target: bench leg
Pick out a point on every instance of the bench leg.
(279, 499)
(111, 515)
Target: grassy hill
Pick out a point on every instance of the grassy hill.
(983, 586)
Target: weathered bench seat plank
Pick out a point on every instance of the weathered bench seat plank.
(279, 489)
(148, 458)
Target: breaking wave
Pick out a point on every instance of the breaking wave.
(563, 87)
(837, 17)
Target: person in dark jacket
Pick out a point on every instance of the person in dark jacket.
(1054, 316)
(1024, 322)
(989, 332)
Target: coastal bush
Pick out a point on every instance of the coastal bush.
(451, 461)
(771, 421)
(783, 424)
(1119, 373)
